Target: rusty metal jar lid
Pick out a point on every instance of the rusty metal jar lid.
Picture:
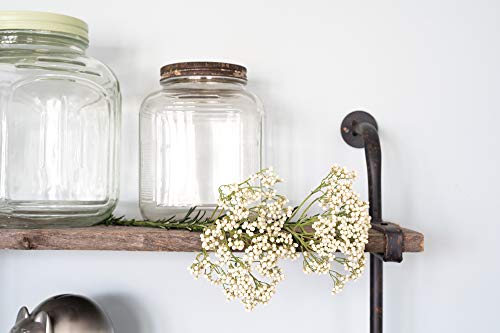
(203, 69)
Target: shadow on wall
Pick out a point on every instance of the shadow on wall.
(124, 312)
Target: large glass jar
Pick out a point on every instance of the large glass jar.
(202, 129)
(60, 120)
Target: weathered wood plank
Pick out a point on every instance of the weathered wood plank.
(143, 239)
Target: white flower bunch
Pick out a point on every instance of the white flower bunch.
(254, 228)
(251, 220)
(341, 228)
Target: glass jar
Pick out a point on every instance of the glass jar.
(60, 120)
(202, 129)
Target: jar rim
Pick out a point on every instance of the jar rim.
(203, 69)
(43, 22)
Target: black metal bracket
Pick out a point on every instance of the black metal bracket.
(359, 129)
(393, 241)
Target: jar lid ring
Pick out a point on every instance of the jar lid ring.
(204, 69)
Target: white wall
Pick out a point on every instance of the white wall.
(430, 73)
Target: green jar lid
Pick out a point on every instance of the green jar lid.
(27, 20)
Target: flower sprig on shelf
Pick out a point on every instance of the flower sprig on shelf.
(194, 220)
(251, 219)
(342, 227)
(255, 219)
(253, 228)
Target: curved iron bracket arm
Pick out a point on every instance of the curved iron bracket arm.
(359, 129)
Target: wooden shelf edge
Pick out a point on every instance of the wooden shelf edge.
(143, 239)
(102, 238)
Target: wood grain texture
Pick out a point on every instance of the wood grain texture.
(143, 239)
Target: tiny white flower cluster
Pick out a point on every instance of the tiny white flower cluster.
(253, 230)
(342, 227)
(252, 220)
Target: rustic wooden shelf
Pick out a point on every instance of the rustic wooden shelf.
(146, 239)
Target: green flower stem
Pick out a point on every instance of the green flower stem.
(304, 213)
(193, 225)
(297, 209)
(299, 237)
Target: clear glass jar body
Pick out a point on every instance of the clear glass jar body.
(195, 135)
(59, 135)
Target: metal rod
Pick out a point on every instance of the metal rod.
(376, 293)
(374, 166)
(359, 130)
